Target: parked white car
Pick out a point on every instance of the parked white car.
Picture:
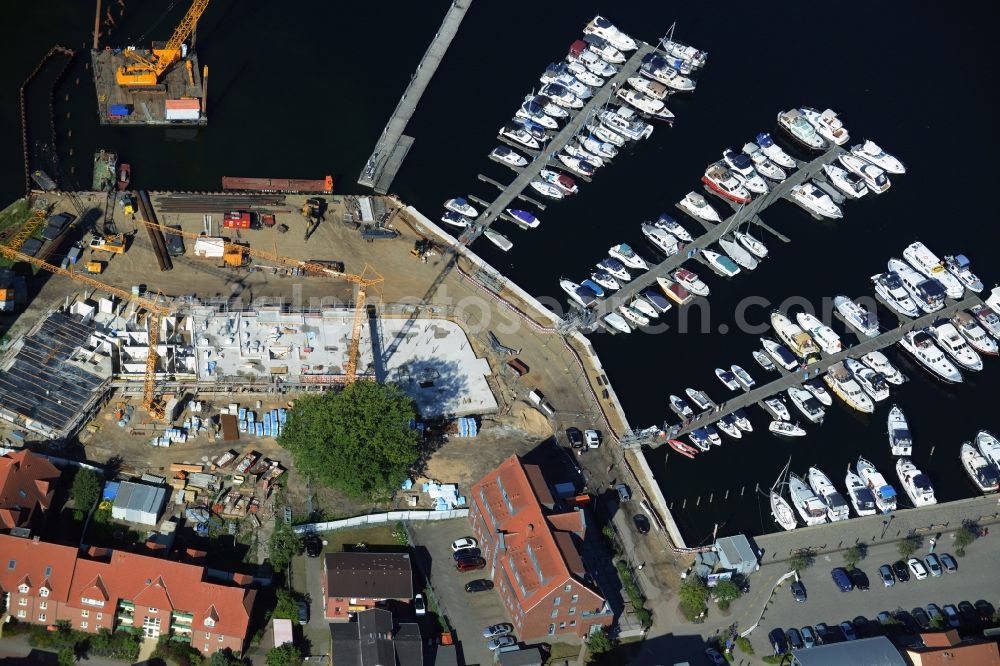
(917, 568)
(464, 542)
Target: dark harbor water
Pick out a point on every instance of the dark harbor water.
(304, 90)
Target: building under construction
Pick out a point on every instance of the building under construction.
(162, 85)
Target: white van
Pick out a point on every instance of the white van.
(536, 397)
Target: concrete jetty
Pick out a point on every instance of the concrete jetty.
(392, 145)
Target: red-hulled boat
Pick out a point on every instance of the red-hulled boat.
(722, 181)
(124, 176)
(682, 448)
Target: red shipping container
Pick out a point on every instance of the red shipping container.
(235, 219)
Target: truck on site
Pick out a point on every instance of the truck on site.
(232, 254)
(114, 244)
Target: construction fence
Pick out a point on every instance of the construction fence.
(380, 519)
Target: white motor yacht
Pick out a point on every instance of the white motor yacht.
(890, 288)
(723, 264)
(753, 245)
(988, 319)
(633, 316)
(699, 438)
(774, 152)
(786, 429)
(498, 239)
(727, 425)
(624, 121)
(777, 408)
(532, 111)
(885, 494)
(920, 345)
(606, 135)
(690, 54)
(798, 341)
(925, 261)
(565, 184)
(697, 206)
(861, 498)
(547, 189)
(691, 282)
(782, 512)
(602, 149)
(959, 266)
(728, 379)
(572, 84)
(954, 345)
(590, 161)
(552, 109)
(602, 27)
(764, 361)
(742, 377)
(874, 176)
(576, 164)
(871, 151)
(660, 238)
(916, 484)
(699, 398)
(781, 354)
(656, 67)
(801, 130)
(645, 307)
(806, 404)
(519, 135)
(583, 73)
(523, 218)
(970, 329)
(981, 471)
(989, 446)
(561, 96)
(606, 280)
(508, 156)
(563, 74)
(857, 316)
(617, 322)
(927, 293)
(627, 256)
(604, 49)
(675, 291)
(900, 439)
(872, 382)
(815, 386)
(811, 509)
(764, 165)
(742, 421)
(849, 183)
(462, 207)
(654, 89)
(878, 362)
(816, 200)
(825, 337)
(455, 219)
(616, 268)
(836, 505)
(640, 101)
(721, 180)
(673, 227)
(847, 388)
(713, 435)
(583, 296)
(742, 167)
(736, 252)
(680, 406)
(827, 124)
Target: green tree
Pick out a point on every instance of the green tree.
(743, 643)
(284, 545)
(963, 538)
(725, 593)
(908, 546)
(599, 642)
(852, 556)
(358, 440)
(225, 658)
(693, 595)
(285, 607)
(86, 489)
(937, 623)
(284, 655)
(399, 535)
(66, 657)
(801, 559)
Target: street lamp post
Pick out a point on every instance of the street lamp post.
(885, 526)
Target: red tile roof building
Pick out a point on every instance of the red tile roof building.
(533, 554)
(948, 649)
(27, 483)
(48, 583)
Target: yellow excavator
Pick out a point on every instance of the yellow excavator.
(147, 71)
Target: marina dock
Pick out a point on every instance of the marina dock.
(811, 371)
(572, 128)
(393, 145)
(744, 214)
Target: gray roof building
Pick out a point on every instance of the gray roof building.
(736, 554)
(878, 651)
(370, 641)
(139, 503)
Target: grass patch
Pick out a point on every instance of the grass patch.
(560, 652)
(349, 539)
(14, 215)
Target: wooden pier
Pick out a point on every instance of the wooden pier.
(392, 145)
(571, 129)
(813, 371)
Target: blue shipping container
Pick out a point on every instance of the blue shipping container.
(118, 110)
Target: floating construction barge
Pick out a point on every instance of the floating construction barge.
(279, 185)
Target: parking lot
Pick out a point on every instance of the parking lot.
(975, 580)
(467, 613)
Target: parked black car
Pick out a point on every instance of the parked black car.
(799, 591)
(859, 578)
(479, 585)
(175, 242)
(794, 639)
(467, 553)
(901, 570)
(575, 437)
(778, 642)
(921, 618)
(641, 523)
(986, 610)
(313, 545)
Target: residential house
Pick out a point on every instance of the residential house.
(533, 554)
(353, 582)
(49, 583)
(27, 484)
(947, 648)
(372, 639)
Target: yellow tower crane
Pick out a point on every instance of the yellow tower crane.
(147, 72)
(368, 278)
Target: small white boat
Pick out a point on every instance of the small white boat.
(849, 183)
(780, 353)
(782, 512)
(674, 290)
(774, 152)
(742, 421)
(615, 268)
(640, 101)
(811, 509)
(728, 379)
(920, 345)
(602, 27)
(827, 124)
(643, 306)
(776, 408)
(624, 121)
(809, 406)
(801, 130)
(743, 169)
(970, 329)
(989, 446)
(561, 96)
(690, 54)
(859, 318)
(874, 176)
(890, 288)
(728, 427)
(954, 345)
(462, 207)
(764, 361)
(878, 362)
(656, 67)
(724, 265)
(754, 246)
(862, 499)
(604, 134)
(532, 110)
(654, 89)
(721, 180)
(627, 256)
(617, 322)
(601, 149)
(697, 206)
(583, 74)
(871, 382)
(699, 398)
(739, 255)
(508, 156)
(885, 494)
(847, 388)
(815, 386)
(699, 438)
(564, 183)
(691, 282)
(547, 189)
(604, 49)
(981, 471)
(743, 377)
(927, 263)
(764, 165)
(959, 266)
(681, 406)
(988, 319)
(568, 81)
(900, 439)
(660, 238)
(825, 337)
(576, 164)
(713, 435)
(519, 135)
(836, 505)
(574, 150)
(454, 219)
(498, 239)
(633, 316)
(578, 293)
(869, 150)
(927, 293)
(523, 218)
(816, 201)
(606, 280)
(798, 341)
(673, 227)
(916, 484)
